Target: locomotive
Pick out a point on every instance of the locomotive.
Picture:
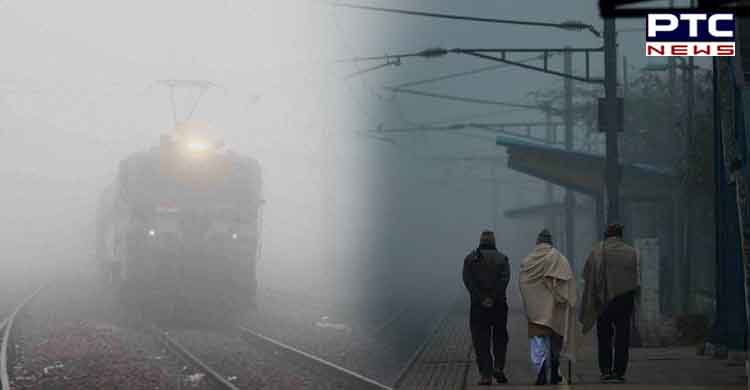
(178, 232)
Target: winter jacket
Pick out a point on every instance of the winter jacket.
(486, 274)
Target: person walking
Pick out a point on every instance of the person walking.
(486, 273)
(611, 285)
(548, 291)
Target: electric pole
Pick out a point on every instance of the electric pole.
(570, 200)
(688, 156)
(550, 218)
(494, 203)
(625, 81)
(612, 170)
(672, 77)
(677, 250)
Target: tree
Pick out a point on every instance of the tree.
(649, 137)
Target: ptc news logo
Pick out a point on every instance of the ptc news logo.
(690, 34)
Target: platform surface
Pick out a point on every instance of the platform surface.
(447, 363)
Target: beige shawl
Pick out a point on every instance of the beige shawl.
(548, 289)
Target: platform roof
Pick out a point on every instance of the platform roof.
(584, 172)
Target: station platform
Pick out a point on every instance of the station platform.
(447, 363)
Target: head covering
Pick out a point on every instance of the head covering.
(487, 240)
(544, 237)
(614, 230)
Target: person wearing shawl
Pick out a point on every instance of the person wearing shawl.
(611, 277)
(486, 273)
(549, 296)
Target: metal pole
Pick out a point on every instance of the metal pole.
(672, 77)
(549, 196)
(678, 272)
(493, 174)
(569, 196)
(690, 102)
(612, 171)
(625, 81)
(598, 218)
(689, 90)
(677, 219)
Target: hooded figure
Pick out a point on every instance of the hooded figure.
(486, 273)
(548, 290)
(611, 277)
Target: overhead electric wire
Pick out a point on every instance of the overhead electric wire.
(395, 89)
(466, 73)
(466, 99)
(370, 69)
(367, 88)
(195, 105)
(427, 53)
(526, 49)
(452, 16)
(466, 117)
(490, 127)
(449, 76)
(453, 127)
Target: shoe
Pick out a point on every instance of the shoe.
(606, 378)
(618, 378)
(485, 381)
(500, 377)
(555, 377)
(541, 379)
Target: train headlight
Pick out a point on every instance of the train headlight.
(234, 236)
(152, 232)
(198, 146)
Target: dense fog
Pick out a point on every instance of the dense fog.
(349, 214)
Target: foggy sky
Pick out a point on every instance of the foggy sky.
(78, 94)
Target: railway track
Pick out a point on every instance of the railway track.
(380, 343)
(126, 370)
(253, 360)
(351, 378)
(179, 350)
(237, 359)
(6, 326)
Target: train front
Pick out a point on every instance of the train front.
(193, 232)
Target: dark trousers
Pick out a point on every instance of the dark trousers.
(613, 329)
(489, 334)
(555, 343)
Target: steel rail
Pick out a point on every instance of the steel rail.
(7, 326)
(180, 350)
(369, 383)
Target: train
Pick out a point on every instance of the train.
(178, 232)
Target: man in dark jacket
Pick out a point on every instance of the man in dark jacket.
(486, 274)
